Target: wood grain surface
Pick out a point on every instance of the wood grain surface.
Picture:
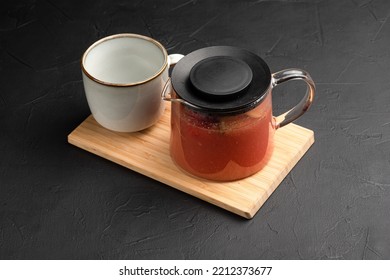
(147, 152)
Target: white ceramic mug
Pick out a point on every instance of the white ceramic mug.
(123, 76)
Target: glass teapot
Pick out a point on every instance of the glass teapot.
(222, 126)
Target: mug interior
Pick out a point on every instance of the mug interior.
(124, 59)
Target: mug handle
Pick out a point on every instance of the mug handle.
(167, 89)
(174, 58)
(304, 104)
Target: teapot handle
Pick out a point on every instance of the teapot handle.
(304, 104)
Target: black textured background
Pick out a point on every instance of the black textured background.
(60, 202)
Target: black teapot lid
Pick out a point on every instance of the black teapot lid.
(221, 79)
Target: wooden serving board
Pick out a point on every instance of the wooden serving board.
(147, 152)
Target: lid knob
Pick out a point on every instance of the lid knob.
(220, 77)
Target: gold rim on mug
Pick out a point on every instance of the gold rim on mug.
(124, 35)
